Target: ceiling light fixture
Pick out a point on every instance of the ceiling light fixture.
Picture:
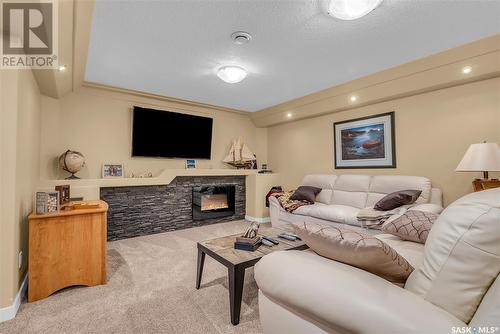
(466, 70)
(231, 74)
(354, 98)
(289, 115)
(351, 10)
(241, 37)
(62, 68)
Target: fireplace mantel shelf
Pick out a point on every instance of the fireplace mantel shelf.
(257, 185)
(165, 177)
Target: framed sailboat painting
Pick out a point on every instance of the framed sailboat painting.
(367, 142)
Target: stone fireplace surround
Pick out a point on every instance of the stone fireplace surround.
(142, 210)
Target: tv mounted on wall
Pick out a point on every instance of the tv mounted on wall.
(165, 134)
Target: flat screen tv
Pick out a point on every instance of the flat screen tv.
(165, 134)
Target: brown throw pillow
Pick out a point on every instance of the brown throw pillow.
(305, 193)
(413, 225)
(356, 249)
(397, 199)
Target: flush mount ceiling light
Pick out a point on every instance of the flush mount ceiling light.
(231, 74)
(354, 98)
(351, 10)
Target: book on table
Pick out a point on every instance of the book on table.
(248, 244)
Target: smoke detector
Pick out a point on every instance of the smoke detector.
(241, 37)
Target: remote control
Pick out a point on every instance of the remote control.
(267, 242)
(293, 235)
(274, 241)
(287, 237)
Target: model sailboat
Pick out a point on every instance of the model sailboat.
(240, 155)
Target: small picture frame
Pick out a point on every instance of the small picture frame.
(64, 194)
(41, 200)
(53, 201)
(112, 170)
(190, 163)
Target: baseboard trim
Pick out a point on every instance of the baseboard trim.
(10, 312)
(258, 219)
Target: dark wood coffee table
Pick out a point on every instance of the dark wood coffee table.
(236, 261)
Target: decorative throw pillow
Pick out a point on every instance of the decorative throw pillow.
(305, 193)
(356, 249)
(397, 199)
(413, 225)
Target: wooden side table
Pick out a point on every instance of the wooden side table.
(67, 248)
(479, 184)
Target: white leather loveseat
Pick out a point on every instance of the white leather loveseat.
(343, 196)
(454, 288)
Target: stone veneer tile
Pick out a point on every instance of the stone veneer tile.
(143, 210)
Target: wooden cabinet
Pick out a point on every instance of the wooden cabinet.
(67, 248)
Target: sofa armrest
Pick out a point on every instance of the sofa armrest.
(275, 211)
(344, 298)
(428, 207)
(436, 196)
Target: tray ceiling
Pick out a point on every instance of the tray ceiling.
(174, 48)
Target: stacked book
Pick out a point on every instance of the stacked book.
(248, 244)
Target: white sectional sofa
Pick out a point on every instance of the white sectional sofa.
(343, 196)
(455, 285)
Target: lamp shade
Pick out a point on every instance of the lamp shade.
(480, 158)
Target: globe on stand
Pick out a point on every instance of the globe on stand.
(72, 162)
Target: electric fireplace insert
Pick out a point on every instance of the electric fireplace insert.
(213, 201)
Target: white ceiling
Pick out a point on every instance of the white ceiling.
(174, 48)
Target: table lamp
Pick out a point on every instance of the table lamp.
(483, 157)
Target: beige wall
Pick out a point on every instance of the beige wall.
(19, 173)
(98, 124)
(257, 187)
(433, 131)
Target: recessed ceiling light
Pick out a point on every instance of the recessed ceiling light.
(241, 37)
(231, 74)
(62, 68)
(466, 70)
(289, 115)
(351, 10)
(353, 98)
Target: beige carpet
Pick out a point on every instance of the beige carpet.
(151, 289)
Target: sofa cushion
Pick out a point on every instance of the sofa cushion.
(428, 207)
(413, 252)
(305, 193)
(412, 225)
(351, 190)
(294, 218)
(324, 196)
(396, 199)
(356, 249)
(325, 182)
(350, 198)
(488, 312)
(335, 295)
(306, 209)
(462, 255)
(336, 213)
(386, 184)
